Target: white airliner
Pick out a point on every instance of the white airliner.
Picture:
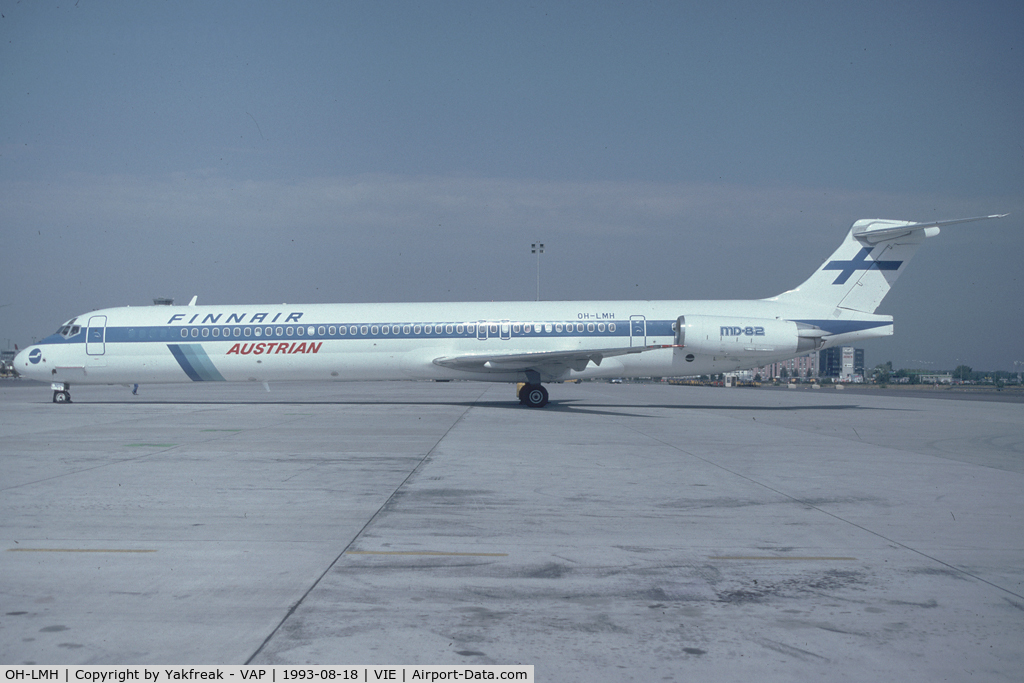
(515, 342)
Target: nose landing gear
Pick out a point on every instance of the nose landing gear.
(61, 392)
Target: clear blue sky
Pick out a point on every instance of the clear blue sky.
(344, 151)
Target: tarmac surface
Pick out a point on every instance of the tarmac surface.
(624, 532)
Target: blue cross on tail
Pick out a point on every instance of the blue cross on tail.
(858, 262)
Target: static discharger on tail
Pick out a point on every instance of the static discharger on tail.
(525, 343)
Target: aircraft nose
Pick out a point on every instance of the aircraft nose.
(29, 362)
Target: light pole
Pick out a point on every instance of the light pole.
(538, 249)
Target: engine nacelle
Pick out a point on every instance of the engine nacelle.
(737, 337)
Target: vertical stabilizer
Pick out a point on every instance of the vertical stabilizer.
(861, 271)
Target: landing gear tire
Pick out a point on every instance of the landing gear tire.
(533, 395)
(62, 397)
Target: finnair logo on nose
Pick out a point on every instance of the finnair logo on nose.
(859, 262)
(35, 355)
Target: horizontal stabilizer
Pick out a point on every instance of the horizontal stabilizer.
(877, 231)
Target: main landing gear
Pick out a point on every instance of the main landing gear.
(533, 395)
(61, 392)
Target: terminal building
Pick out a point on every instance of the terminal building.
(804, 367)
(842, 363)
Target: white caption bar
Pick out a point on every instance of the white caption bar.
(266, 674)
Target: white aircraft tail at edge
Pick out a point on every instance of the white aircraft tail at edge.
(518, 342)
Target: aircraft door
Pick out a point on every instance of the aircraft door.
(491, 329)
(637, 330)
(95, 336)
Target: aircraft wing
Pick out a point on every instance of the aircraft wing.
(550, 362)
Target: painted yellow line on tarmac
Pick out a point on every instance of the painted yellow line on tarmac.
(772, 557)
(430, 553)
(77, 550)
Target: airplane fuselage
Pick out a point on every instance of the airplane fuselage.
(340, 342)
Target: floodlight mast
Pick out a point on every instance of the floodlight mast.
(538, 249)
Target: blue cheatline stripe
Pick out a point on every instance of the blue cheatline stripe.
(196, 364)
(845, 326)
(165, 333)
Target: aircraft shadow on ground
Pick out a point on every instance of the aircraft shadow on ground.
(557, 406)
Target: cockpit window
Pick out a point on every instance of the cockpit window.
(68, 330)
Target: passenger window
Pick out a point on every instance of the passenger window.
(248, 331)
(309, 330)
(558, 327)
(590, 327)
(416, 329)
(363, 329)
(611, 327)
(547, 327)
(406, 329)
(288, 331)
(216, 332)
(269, 331)
(353, 330)
(206, 331)
(321, 330)
(600, 327)
(385, 329)
(493, 329)
(459, 329)
(374, 329)
(279, 331)
(300, 330)
(471, 329)
(342, 330)
(184, 332)
(258, 331)
(238, 331)
(448, 329)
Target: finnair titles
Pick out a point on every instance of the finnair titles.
(525, 343)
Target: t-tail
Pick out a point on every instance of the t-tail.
(860, 273)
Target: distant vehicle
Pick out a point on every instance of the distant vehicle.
(517, 342)
(617, 380)
(7, 364)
